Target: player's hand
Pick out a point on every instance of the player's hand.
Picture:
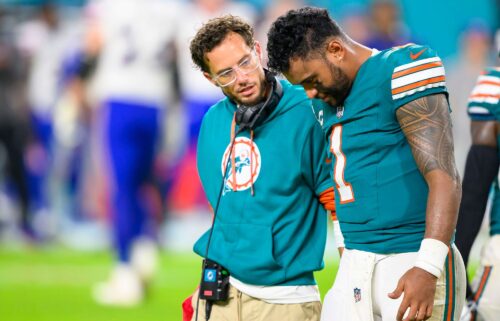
(419, 287)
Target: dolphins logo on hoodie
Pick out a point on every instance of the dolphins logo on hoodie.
(244, 167)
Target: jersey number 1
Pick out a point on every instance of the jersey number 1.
(345, 189)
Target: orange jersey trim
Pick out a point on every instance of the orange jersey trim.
(488, 82)
(484, 278)
(451, 301)
(418, 84)
(417, 68)
(484, 96)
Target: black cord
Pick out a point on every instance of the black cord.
(242, 128)
(222, 188)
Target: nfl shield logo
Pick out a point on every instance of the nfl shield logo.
(340, 111)
(357, 294)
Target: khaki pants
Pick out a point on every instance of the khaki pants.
(241, 307)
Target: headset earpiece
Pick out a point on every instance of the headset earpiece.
(249, 117)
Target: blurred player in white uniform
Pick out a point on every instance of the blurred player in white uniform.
(127, 43)
(44, 43)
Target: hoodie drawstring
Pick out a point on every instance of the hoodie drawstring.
(251, 162)
(233, 162)
(233, 157)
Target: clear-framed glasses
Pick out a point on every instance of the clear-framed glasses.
(227, 77)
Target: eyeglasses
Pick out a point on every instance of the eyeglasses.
(245, 67)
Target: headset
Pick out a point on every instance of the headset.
(214, 284)
(249, 117)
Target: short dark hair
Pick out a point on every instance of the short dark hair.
(299, 33)
(212, 33)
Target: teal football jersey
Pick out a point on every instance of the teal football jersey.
(381, 195)
(484, 105)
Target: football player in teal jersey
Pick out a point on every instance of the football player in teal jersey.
(269, 190)
(386, 117)
(481, 171)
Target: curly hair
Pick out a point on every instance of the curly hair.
(212, 33)
(299, 33)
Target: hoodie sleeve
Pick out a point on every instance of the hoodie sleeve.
(314, 162)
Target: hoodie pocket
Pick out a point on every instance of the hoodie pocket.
(252, 259)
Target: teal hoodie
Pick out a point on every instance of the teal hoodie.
(270, 227)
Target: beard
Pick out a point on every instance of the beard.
(335, 94)
(248, 101)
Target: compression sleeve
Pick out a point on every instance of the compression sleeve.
(480, 170)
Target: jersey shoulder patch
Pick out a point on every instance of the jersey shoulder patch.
(415, 69)
(483, 103)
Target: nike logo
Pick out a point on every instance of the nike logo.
(415, 56)
(328, 160)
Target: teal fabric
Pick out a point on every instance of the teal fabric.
(276, 236)
(387, 214)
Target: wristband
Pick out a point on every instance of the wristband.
(337, 234)
(431, 256)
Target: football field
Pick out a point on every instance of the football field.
(56, 283)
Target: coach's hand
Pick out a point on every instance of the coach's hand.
(419, 287)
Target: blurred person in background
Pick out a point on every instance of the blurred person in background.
(43, 43)
(50, 45)
(273, 11)
(261, 161)
(126, 53)
(474, 55)
(13, 126)
(386, 28)
(356, 23)
(481, 173)
(72, 156)
(197, 95)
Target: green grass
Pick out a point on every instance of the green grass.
(56, 284)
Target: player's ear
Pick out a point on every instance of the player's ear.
(209, 77)
(258, 50)
(335, 48)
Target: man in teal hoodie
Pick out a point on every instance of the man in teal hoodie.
(266, 144)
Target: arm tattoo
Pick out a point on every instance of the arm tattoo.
(426, 124)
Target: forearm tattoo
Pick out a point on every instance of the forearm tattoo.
(426, 124)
